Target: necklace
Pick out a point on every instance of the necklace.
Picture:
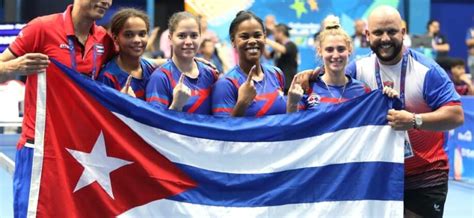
(332, 95)
(192, 74)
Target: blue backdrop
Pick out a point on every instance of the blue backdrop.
(455, 17)
(461, 145)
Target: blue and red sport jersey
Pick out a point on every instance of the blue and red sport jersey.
(269, 99)
(113, 76)
(322, 94)
(159, 90)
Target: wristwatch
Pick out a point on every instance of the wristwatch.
(417, 121)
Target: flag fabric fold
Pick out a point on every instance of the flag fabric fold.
(108, 154)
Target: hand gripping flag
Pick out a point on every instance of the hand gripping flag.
(100, 153)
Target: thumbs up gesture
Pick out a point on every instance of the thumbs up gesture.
(126, 88)
(181, 94)
(295, 93)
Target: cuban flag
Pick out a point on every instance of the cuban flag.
(100, 153)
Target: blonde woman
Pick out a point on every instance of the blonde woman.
(332, 86)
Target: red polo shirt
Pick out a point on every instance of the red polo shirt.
(49, 35)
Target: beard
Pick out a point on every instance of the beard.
(377, 46)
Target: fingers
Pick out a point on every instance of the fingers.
(131, 93)
(181, 87)
(37, 56)
(391, 111)
(390, 92)
(126, 86)
(127, 83)
(306, 76)
(36, 59)
(395, 94)
(391, 114)
(252, 73)
(181, 78)
(33, 68)
(297, 89)
(399, 119)
(32, 63)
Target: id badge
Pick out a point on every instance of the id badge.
(408, 147)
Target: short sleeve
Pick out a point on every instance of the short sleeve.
(351, 69)
(280, 77)
(438, 89)
(224, 97)
(159, 91)
(29, 39)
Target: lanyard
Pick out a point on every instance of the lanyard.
(72, 53)
(402, 76)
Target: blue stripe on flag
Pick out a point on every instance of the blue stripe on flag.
(339, 182)
(370, 110)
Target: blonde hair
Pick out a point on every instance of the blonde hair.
(330, 21)
(332, 27)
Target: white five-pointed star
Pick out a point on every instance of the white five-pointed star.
(97, 166)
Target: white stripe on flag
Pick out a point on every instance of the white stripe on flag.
(38, 153)
(365, 208)
(378, 143)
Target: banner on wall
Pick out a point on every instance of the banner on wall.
(303, 16)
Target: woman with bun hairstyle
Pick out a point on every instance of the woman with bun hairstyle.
(332, 86)
(250, 88)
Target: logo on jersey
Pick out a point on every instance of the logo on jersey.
(388, 83)
(62, 45)
(99, 49)
(314, 99)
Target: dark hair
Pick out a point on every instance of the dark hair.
(178, 17)
(284, 28)
(332, 27)
(431, 21)
(241, 17)
(457, 62)
(121, 16)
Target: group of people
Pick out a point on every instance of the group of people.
(251, 88)
(184, 83)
